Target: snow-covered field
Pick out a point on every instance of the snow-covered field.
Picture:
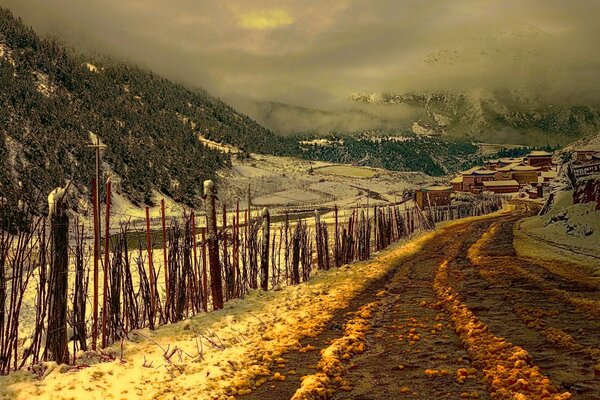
(569, 232)
(213, 355)
(278, 182)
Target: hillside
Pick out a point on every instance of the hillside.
(53, 102)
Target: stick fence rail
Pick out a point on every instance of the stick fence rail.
(150, 278)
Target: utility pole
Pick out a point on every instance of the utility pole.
(97, 227)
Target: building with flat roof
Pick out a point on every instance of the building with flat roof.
(436, 195)
(501, 187)
(457, 184)
(587, 154)
(540, 159)
(503, 162)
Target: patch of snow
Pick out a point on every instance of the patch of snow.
(569, 232)
(55, 196)
(287, 197)
(91, 68)
(5, 52)
(222, 147)
(418, 129)
(442, 120)
(43, 83)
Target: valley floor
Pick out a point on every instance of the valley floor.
(455, 313)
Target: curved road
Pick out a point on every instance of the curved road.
(465, 317)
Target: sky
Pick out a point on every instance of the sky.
(317, 53)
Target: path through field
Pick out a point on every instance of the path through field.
(465, 317)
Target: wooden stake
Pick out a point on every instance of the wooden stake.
(197, 282)
(106, 261)
(236, 248)
(165, 256)
(216, 283)
(264, 256)
(56, 343)
(152, 272)
(96, 257)
(204, 273)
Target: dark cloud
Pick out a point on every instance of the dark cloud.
(314, 53)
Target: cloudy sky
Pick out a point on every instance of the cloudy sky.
(316, 53)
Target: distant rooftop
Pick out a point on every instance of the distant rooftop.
(484, 172)
(525, 168)
(539, 153)
(511, 160)
(436, 188)
(508, 167)
(470, 171)
(549, 174)
(458, 179)
(500, 183)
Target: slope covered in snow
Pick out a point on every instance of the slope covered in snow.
(569, 232)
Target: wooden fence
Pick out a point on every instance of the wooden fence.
(146, 279)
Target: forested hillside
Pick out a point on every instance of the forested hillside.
(433, 156)
(51, 99)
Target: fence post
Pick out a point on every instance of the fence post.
(264, 254)
(296, 255)
(318, 240)
(216, 283)
(106, 261)
(197, 276)
(204, 273)
(152, 313)
(95, 278)
(236, 249)
(336, 242)
(56, 343)
(226, 264)
(165, 258)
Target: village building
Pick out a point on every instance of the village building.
(501, 187)
(540, 159)
(491, 164)
(503, 162)
(433, 196)
(457, 184)
(547, 176)
(587, 154)
(505, 173)
(468, 179)
(525, 174)
(473, 181)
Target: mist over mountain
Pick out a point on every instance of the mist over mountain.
(501, 116)
(287, 119)
(530, 66)
(54, 103)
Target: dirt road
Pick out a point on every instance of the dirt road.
(463, 318)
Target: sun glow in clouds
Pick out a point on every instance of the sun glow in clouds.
(266, 19)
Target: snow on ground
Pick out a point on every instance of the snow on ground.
(322, 184)
(213, 355)
(568, 232)
(231, 348)
(289, 197)
(347, 170)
